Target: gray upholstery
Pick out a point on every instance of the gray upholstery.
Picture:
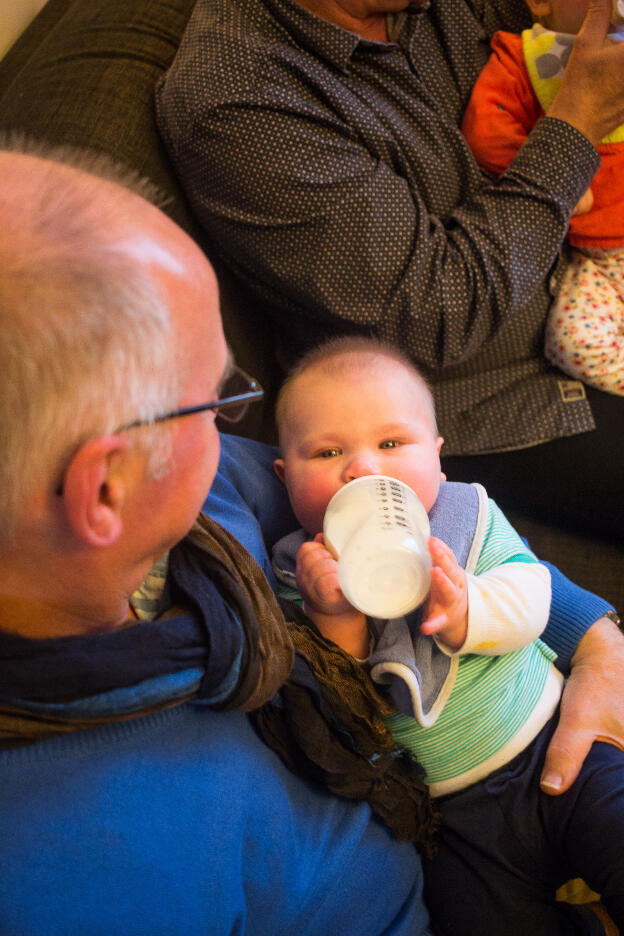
(89, 79)
(83, 74)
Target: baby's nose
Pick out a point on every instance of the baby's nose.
(361, 466)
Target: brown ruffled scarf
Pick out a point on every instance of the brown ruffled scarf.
(327, 724)
(309, 701)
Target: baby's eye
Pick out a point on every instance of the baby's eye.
(329, 453)
(389, 444)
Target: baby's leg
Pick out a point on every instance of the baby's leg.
(585, 327)
(590, 828)
(500, 861)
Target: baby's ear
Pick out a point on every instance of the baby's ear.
(439, 444)
(278, 468)
(540, 9)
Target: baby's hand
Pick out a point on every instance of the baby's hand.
(584, 204)
(446, 612)
(324, 601)
(317, 579)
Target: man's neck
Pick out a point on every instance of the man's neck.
(40, 620)
(350, 16)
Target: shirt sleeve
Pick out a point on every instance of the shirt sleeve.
(507, 608)
(509, 594)
(329, 232)
(503, 107)
(572, 612)
(572, 609)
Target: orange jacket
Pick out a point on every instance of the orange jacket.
(501, 113)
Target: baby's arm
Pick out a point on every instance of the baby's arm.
(508, 607)
(508, 597)
(503, 109)
(324, 602)
(497, 612)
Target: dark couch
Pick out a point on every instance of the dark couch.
(83, 75)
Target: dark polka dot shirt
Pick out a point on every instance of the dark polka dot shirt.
(331, 176)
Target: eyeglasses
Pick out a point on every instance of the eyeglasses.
(239, 390)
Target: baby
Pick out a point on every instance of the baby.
(478, 695)
(585, 328)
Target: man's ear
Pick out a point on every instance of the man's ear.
(278, 468)
(94, 490)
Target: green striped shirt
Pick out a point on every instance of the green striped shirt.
(492, 696)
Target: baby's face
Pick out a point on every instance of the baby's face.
(363, 422)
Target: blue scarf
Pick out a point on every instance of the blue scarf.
(225, 642)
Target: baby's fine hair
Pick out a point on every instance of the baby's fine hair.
(337, 355)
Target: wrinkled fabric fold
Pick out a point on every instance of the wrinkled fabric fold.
(327, 724)
(224, 621)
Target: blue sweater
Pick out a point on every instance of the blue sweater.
(183, 822)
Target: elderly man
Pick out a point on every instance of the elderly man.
(319, 144)
(129, 805)
(126, 808)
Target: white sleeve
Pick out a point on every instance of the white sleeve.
(508, 608)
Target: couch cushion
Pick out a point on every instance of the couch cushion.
(84, 75)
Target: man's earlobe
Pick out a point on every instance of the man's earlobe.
(94, 491)
(278, 468)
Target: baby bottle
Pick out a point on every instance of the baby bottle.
(377, 529)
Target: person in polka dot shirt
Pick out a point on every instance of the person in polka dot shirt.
(319, 144)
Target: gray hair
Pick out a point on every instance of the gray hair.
(86, 334)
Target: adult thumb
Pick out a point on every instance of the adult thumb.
(566, 752)
(597, 20)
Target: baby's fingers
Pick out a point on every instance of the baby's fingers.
(434, 625)
(444, 558)
(442, 554)
(444, 589)
(317, 578)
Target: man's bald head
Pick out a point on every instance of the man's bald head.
(88, 269)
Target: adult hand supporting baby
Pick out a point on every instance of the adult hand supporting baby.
(592, 92)
(592, 706)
